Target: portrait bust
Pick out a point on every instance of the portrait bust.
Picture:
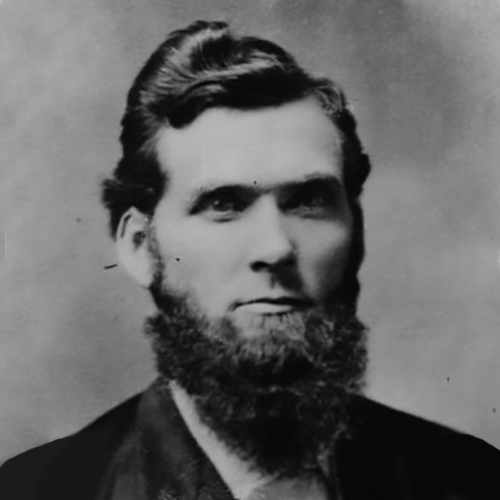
(236, 204)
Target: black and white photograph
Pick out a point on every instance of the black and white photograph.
(251, 250)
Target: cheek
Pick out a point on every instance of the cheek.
(200, 262)
(325, 257)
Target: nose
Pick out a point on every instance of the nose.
(272, 247)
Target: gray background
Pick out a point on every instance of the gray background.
(423, 77)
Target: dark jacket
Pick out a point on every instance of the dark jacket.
(142, 450)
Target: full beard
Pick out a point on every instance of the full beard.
(280, 399)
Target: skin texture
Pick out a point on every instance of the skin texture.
(254, 222)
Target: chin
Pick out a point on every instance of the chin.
(261, 325)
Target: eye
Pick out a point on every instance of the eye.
(312, 201)
(223, 204)
(315, 200)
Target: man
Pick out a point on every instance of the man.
(236, 203)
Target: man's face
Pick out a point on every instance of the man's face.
(255, 222)
(249, 246)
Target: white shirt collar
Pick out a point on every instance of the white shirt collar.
(238, 475)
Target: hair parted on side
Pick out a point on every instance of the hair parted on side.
(204, 66)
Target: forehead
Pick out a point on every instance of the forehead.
(265, 146)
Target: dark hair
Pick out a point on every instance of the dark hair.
(203, 66)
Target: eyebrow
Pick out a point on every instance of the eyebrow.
(329, 181)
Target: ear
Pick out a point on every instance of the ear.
(132, 246)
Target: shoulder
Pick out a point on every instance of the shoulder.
(388, 437)
(75, 462)
(374, 419)
(393, 441)
(375, 423)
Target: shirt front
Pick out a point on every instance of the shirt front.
(242, 479)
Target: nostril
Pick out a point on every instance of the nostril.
(277, 264)
(284, 271)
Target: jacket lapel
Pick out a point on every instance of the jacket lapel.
(161, 460)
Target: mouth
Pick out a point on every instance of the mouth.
(274, 305)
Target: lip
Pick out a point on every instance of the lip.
(274, 304)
